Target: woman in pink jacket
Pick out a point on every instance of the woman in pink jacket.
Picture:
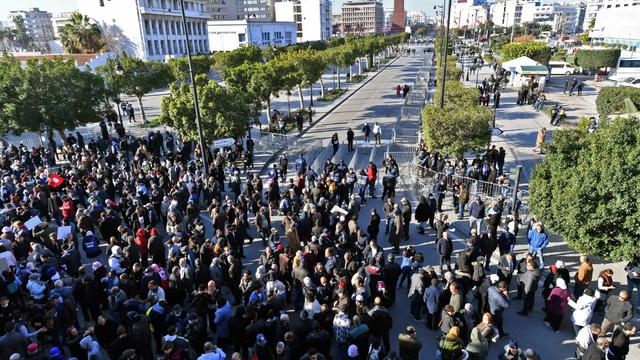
(556, 305)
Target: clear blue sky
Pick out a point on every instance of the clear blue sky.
(57, 6)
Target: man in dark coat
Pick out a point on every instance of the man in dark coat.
(382, 322)
(391, 273)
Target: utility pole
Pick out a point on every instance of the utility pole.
(515, 188)
(196, 106)
(444, 60)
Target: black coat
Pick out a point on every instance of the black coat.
(445, 247)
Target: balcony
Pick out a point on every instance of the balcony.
(168, 11)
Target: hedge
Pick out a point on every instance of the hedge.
(611, 99)
(534, 50)
(595, 59)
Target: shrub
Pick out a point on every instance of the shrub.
(611, 99)
(534, 50)
(595, 59)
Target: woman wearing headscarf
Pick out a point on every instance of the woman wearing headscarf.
(556, 305)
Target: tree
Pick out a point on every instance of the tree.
(266, 80)
(534, 50)
(21, 35)
(49, 94)
(342, 56)
(81, 35)
(237, 57)
(587, 189)
(238, 77)
(180, 66)
(307, 68)
(223, 112)
(140, 77)
(455, 130)
(595, 59)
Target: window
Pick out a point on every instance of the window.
(287, 35)
(162, 46)
(155, 46)
(146, 27)
(160, 27)
(266, 36)
(242, 38)
(629, 63)
(175, 47)
(277, 35)
(169, 48)
(149, 47)
(153, 27)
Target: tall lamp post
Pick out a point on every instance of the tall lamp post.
(435, 7)
(444, 63)
(196, 106)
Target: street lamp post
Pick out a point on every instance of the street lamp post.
(311, 94)
(196, 106)
(444, 63)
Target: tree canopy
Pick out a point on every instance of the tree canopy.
(180, 66)
(588, 186)
(611, 99)
(224, 112)
(48, 94)
(237, 57)
(81, 35)
(534, 50)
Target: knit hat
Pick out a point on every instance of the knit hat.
(352, 351)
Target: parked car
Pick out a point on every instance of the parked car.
(562, 68)
(630, 81)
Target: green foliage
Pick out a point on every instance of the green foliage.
(594, 59)
(81, 35)
(456, 129)
(560, 55)
(20, 33)
(583, 124)
(237, 57)
(534, 50)
(50, 94)
(356, 79)
(331, 95)
(223, 112)
(453, 72)
(180, 66)
(611, 99)
(587, 189)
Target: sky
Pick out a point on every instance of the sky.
(57, 6)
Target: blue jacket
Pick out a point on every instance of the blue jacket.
(477, 210)
(498, 302)
(222, 317)
(538, 240)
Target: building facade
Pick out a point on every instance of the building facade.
(617, 25)
(222, 9)
(153, 29)
(313, 18)
(37, 23)
(510, 12)
(362, 17)
(59, 21)
(263, 10)
(416, 17)
(232, 34)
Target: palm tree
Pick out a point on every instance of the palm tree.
(81, 35)
(7, 38)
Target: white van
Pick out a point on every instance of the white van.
(562, 68)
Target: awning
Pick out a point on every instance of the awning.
(534, 70)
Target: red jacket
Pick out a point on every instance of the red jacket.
(372, 173)
(142, 238)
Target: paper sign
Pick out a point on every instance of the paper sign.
(63, 231)
(339, 209)
(222, 143)
(33, 222)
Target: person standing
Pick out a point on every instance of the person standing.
(633, 278)
(382, 322)
(299, 120)
(350, 136)
(619, 310)
(395, 231)
(540, 140)
(566, 86)
(580, 87)
(530, 282)
(131, 113)
(405, 210)
(582, 310)
(335, 143)
(409, 346)
(372, 176)
(366, 131)
(556, 305)
(498, 298)
(619, 345)
(377, 133)
(583, 276)
(416, 292)
(445, 249)
(398, 91)
(496, 99)
(538, 241)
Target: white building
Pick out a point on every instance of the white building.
(222, 9)
(618, 25)
(313, 18)
(59, 21)
(364, 16)
(562, 18)
(468, 13)
(232, 34)
(153, 28)
(416, 17)
(508, 12)
(388, 18)
(37, 23)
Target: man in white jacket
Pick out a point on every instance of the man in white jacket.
(583, 309)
